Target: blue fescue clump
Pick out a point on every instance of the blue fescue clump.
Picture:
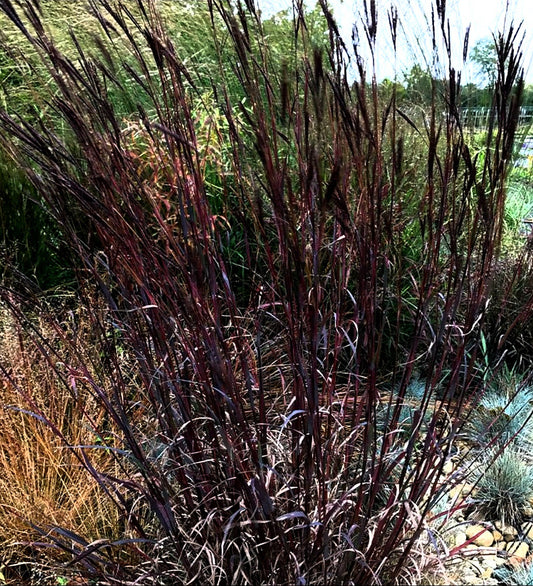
(505, 488)
(505, 413)
(521, 576)
(410, 405)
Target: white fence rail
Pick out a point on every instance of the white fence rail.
(479, 117)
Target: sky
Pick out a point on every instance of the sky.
(485, 18)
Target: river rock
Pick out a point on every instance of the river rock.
(472, 568)
(518, 549)
(463, 489)
(459, 538)
(485, 539)
(447, 468)
(527, 529)
(492, 561)
(471, 580)
(455, 492)
(508, 531)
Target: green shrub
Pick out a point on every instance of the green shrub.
(518, 207)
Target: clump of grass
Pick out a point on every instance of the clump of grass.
(504, 413)
(507, 323)
(44, 485)
(505, 488)
(410, 408)
(518, 207)
(241, 412)
(516, 576)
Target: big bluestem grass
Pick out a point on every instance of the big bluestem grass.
(507, 320)
(252, 285)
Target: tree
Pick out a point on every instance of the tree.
(527, 97)
(418, 85)
(485, 59)
(387, 87)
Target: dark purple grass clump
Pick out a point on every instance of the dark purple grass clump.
(253, 306)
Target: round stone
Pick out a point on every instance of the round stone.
(527, 529)
(518, 549)
(485, 537)
(460, 538)
(492, 561)
(447, 468)
(508, 531)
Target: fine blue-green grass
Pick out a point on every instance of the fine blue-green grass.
(505, 487)
(520, 576)
(504, 413)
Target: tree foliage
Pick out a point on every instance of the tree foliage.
(485, 59)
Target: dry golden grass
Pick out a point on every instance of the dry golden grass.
(43, 482)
